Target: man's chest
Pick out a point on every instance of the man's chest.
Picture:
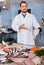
(27, 21)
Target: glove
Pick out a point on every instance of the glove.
(36, 33)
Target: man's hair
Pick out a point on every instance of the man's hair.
(22, 2)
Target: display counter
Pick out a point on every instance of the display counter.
(18, 54)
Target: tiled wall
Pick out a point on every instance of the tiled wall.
(38, 10)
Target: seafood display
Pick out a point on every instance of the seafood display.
(20, 54)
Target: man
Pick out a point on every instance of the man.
(23, 24)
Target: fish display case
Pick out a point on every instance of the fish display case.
(18, 54)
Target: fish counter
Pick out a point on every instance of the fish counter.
(17, 54)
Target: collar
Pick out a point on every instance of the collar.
(24, 14)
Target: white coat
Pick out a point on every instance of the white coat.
(25, 36)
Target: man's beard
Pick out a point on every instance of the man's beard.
(23, 11)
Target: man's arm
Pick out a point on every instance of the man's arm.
(15, 24)
(37, 27)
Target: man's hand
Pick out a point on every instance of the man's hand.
(36, 32)
(23, 27)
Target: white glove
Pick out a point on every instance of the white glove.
(35, 33)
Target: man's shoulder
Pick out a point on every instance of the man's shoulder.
(17, 16)
(31, 15)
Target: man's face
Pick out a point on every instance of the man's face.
(23, 7)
